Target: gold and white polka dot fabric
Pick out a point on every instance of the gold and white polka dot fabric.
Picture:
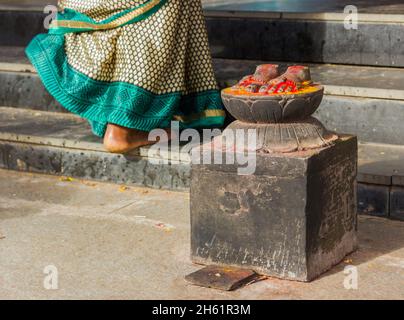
(165, 53)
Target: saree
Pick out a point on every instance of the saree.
(136, 63)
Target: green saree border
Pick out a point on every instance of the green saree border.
(120, 103)
(71, 21)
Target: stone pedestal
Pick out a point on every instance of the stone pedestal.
(294, 218)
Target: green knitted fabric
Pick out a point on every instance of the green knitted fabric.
(120, 103)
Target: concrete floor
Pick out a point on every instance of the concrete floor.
(109, 242)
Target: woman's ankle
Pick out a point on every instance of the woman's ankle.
(118, 139)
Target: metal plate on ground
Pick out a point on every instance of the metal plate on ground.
(222, 278)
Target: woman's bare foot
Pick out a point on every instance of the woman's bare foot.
(119, 139)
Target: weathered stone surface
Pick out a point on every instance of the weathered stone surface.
(381, 164)
(372, 120)
(308, 41)
(374, 178)
(398, 180)
(25, 90)
(377, 44)
(19, 27)
(294, 218)
(284, 137)
(397, 203)
(313, 8)
(360, 82)
(86, 164)
(374, 199)
(56, 143)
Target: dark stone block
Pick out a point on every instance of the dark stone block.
(19, 27)
(294, 218)
(264, 39)
(25, 157)
(85, 164)
(373, 199)
(398, 180)
(374, 120)
(374, 178)
(306, 41)
(397, 203)
(25, 90)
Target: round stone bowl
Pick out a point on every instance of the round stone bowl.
(261, 108)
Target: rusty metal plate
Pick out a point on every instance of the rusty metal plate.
(222, 278)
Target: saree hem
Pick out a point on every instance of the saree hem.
(120, 103)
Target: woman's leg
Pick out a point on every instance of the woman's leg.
(140, 75)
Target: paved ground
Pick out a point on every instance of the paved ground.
(116, 243)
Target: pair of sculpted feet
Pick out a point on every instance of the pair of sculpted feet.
(267, 80)
(119, 139)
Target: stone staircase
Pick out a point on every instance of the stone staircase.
(364, 96)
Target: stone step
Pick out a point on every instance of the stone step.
(381, 180)
(389, 7)
(339, 80)
(286, 36)
(358, 104)
(20, 86)
(360, 100)
(62, 144)
(307, 37)
(309, 6)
